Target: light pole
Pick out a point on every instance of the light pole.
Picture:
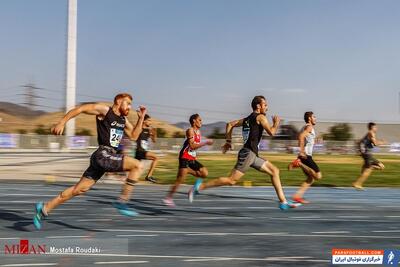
(70, 86)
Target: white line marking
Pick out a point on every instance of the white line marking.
(69, 236)
(332, 232)
(28, 264)
(353, 216)
(224, 217)
(216, 259)
(393, 216)
(247, 234)
(298, 259)
(94, 220)
(6, 238)
(136, 235)
(386, 231)
(306, 217)
(119, 262)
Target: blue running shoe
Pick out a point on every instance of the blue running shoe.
(288, 205)
(39, 215)
(194, 190)
(124, 209)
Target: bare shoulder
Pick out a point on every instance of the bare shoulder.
(189, 132)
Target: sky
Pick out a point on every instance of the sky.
(338, 58)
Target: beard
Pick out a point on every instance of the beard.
(124, 112)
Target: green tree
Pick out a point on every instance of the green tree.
(178, 134)
(41, 130)
(22, 131)
(84, 132)
(339, 132)
(161, 133)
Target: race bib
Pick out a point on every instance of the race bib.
(115, 137)
(144, 144)
(192, 153)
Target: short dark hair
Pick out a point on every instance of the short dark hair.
(370, 125)
(308, 115)
(257, 100)
(146, 116)
(122, 95)
(192, 118)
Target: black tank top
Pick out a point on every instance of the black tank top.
(142, 143)
(110, 130)
(252, 132)
(366, 144)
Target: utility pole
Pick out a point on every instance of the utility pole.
(70, 86)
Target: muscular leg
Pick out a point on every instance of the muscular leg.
(312, 176)
(135, 169)
(221, 181)
(365, 173)
(81, 187)
(153, 157)
(180, 178)
(273, 171)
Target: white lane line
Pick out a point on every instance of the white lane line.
(353, 216)
(306, 217)
(216, 259)
(280, 259)
(386, 231)
(211, 234)
(31, 195)
(332, 232)
(29, 264)
(248, 234)
(224, 217)
(69, 236)
(393, 216)
(136, 235)
(119, 262)
(324, 219)
(9, 238)
(94, 220)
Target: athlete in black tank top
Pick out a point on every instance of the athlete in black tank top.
(370, 163)
(111, 126)
(254, 132)
(253, 127)
(110, 129)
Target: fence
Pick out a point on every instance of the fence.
(51, 143)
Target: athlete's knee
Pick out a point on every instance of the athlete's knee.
(203, 173)
(381, 166)
(275, 171)
(318, 176)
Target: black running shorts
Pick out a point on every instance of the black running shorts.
(309, 162)
(193, 164)
(369, 160)
(104, 159)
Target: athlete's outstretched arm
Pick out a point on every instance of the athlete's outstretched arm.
(134, 132)
(91, 109)
(228, 134)
(192, 144)
(265, 124)
(375, 141)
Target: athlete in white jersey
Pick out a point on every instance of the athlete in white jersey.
(305, 161)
